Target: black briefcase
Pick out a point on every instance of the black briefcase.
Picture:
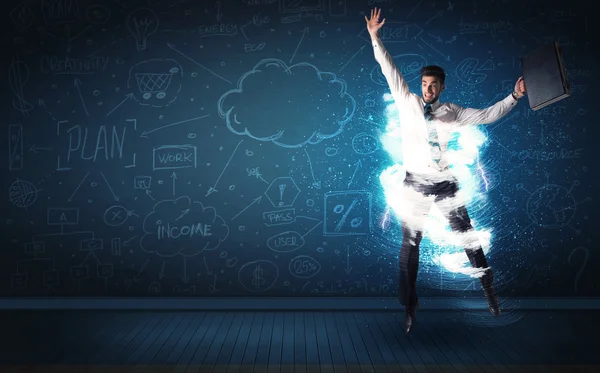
(545, 76)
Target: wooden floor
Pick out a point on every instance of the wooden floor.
(173, 341)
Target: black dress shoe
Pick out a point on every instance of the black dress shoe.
(492, 300)
(410, 317)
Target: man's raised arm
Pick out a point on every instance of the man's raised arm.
(396, 82)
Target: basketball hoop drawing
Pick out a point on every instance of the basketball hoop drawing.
(157, 81)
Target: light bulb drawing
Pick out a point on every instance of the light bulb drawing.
(142, 23)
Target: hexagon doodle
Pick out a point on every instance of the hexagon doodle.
(282, 192)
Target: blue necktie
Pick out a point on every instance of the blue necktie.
(428, 112)
(436, 151)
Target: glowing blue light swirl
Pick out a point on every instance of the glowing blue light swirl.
(463, 157)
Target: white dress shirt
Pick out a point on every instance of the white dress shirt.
(447, 117)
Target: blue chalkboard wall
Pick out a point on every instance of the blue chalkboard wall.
(233, 147)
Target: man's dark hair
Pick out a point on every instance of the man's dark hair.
(434, 70)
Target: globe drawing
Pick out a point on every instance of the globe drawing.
(22, 193)
(551, 206)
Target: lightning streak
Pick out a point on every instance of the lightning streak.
(481, 170)
(386, 218)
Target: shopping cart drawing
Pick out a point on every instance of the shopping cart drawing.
(154, 83)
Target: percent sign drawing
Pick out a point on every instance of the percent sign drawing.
(347, 213)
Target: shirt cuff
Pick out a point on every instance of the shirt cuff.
(510, 100)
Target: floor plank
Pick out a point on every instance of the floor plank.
(250, 349)
(195, 326)
(296, 341)
(323, 345)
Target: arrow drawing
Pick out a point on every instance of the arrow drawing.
(138, 276)
(126, 243)
(109, 187)
(127, 97)
(256, 200)
(348, 268)
(437, 38)
(219, 10)
(351, 58)
(183, 214)
(77, 84)
(198, 64)
(447, 58)
(213, 188)
(185, 278)
(242, 30)
(34, 149)
(312, 229)
(208, 271)
(174, 177)
(42, 103)
(315, 183)
(145, 133)
(78, 186)
(161, 274)
(304, 32)
(357, 164)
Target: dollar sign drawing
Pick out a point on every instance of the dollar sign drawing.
(257, 277)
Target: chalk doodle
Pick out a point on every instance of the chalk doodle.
(282, 192)
(471, 72)
(18, 74)
(98, 14)
(258, 275)
(23, 193)
(304, 266)
(586, 257)
(363, 143)
(396, 32)
(95, 143)
(182, 227)
(15, 147)
(551, 205)
(347, 213)
(228, 148)
(173, 157)
(155, 82)
(23, 17)
(117, 215)
(286, 241)
(57, 12)
(279, 217)
(142, 23)
(284, 96)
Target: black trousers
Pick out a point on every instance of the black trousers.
(412, 231)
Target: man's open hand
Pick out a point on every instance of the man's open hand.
(373, 24)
